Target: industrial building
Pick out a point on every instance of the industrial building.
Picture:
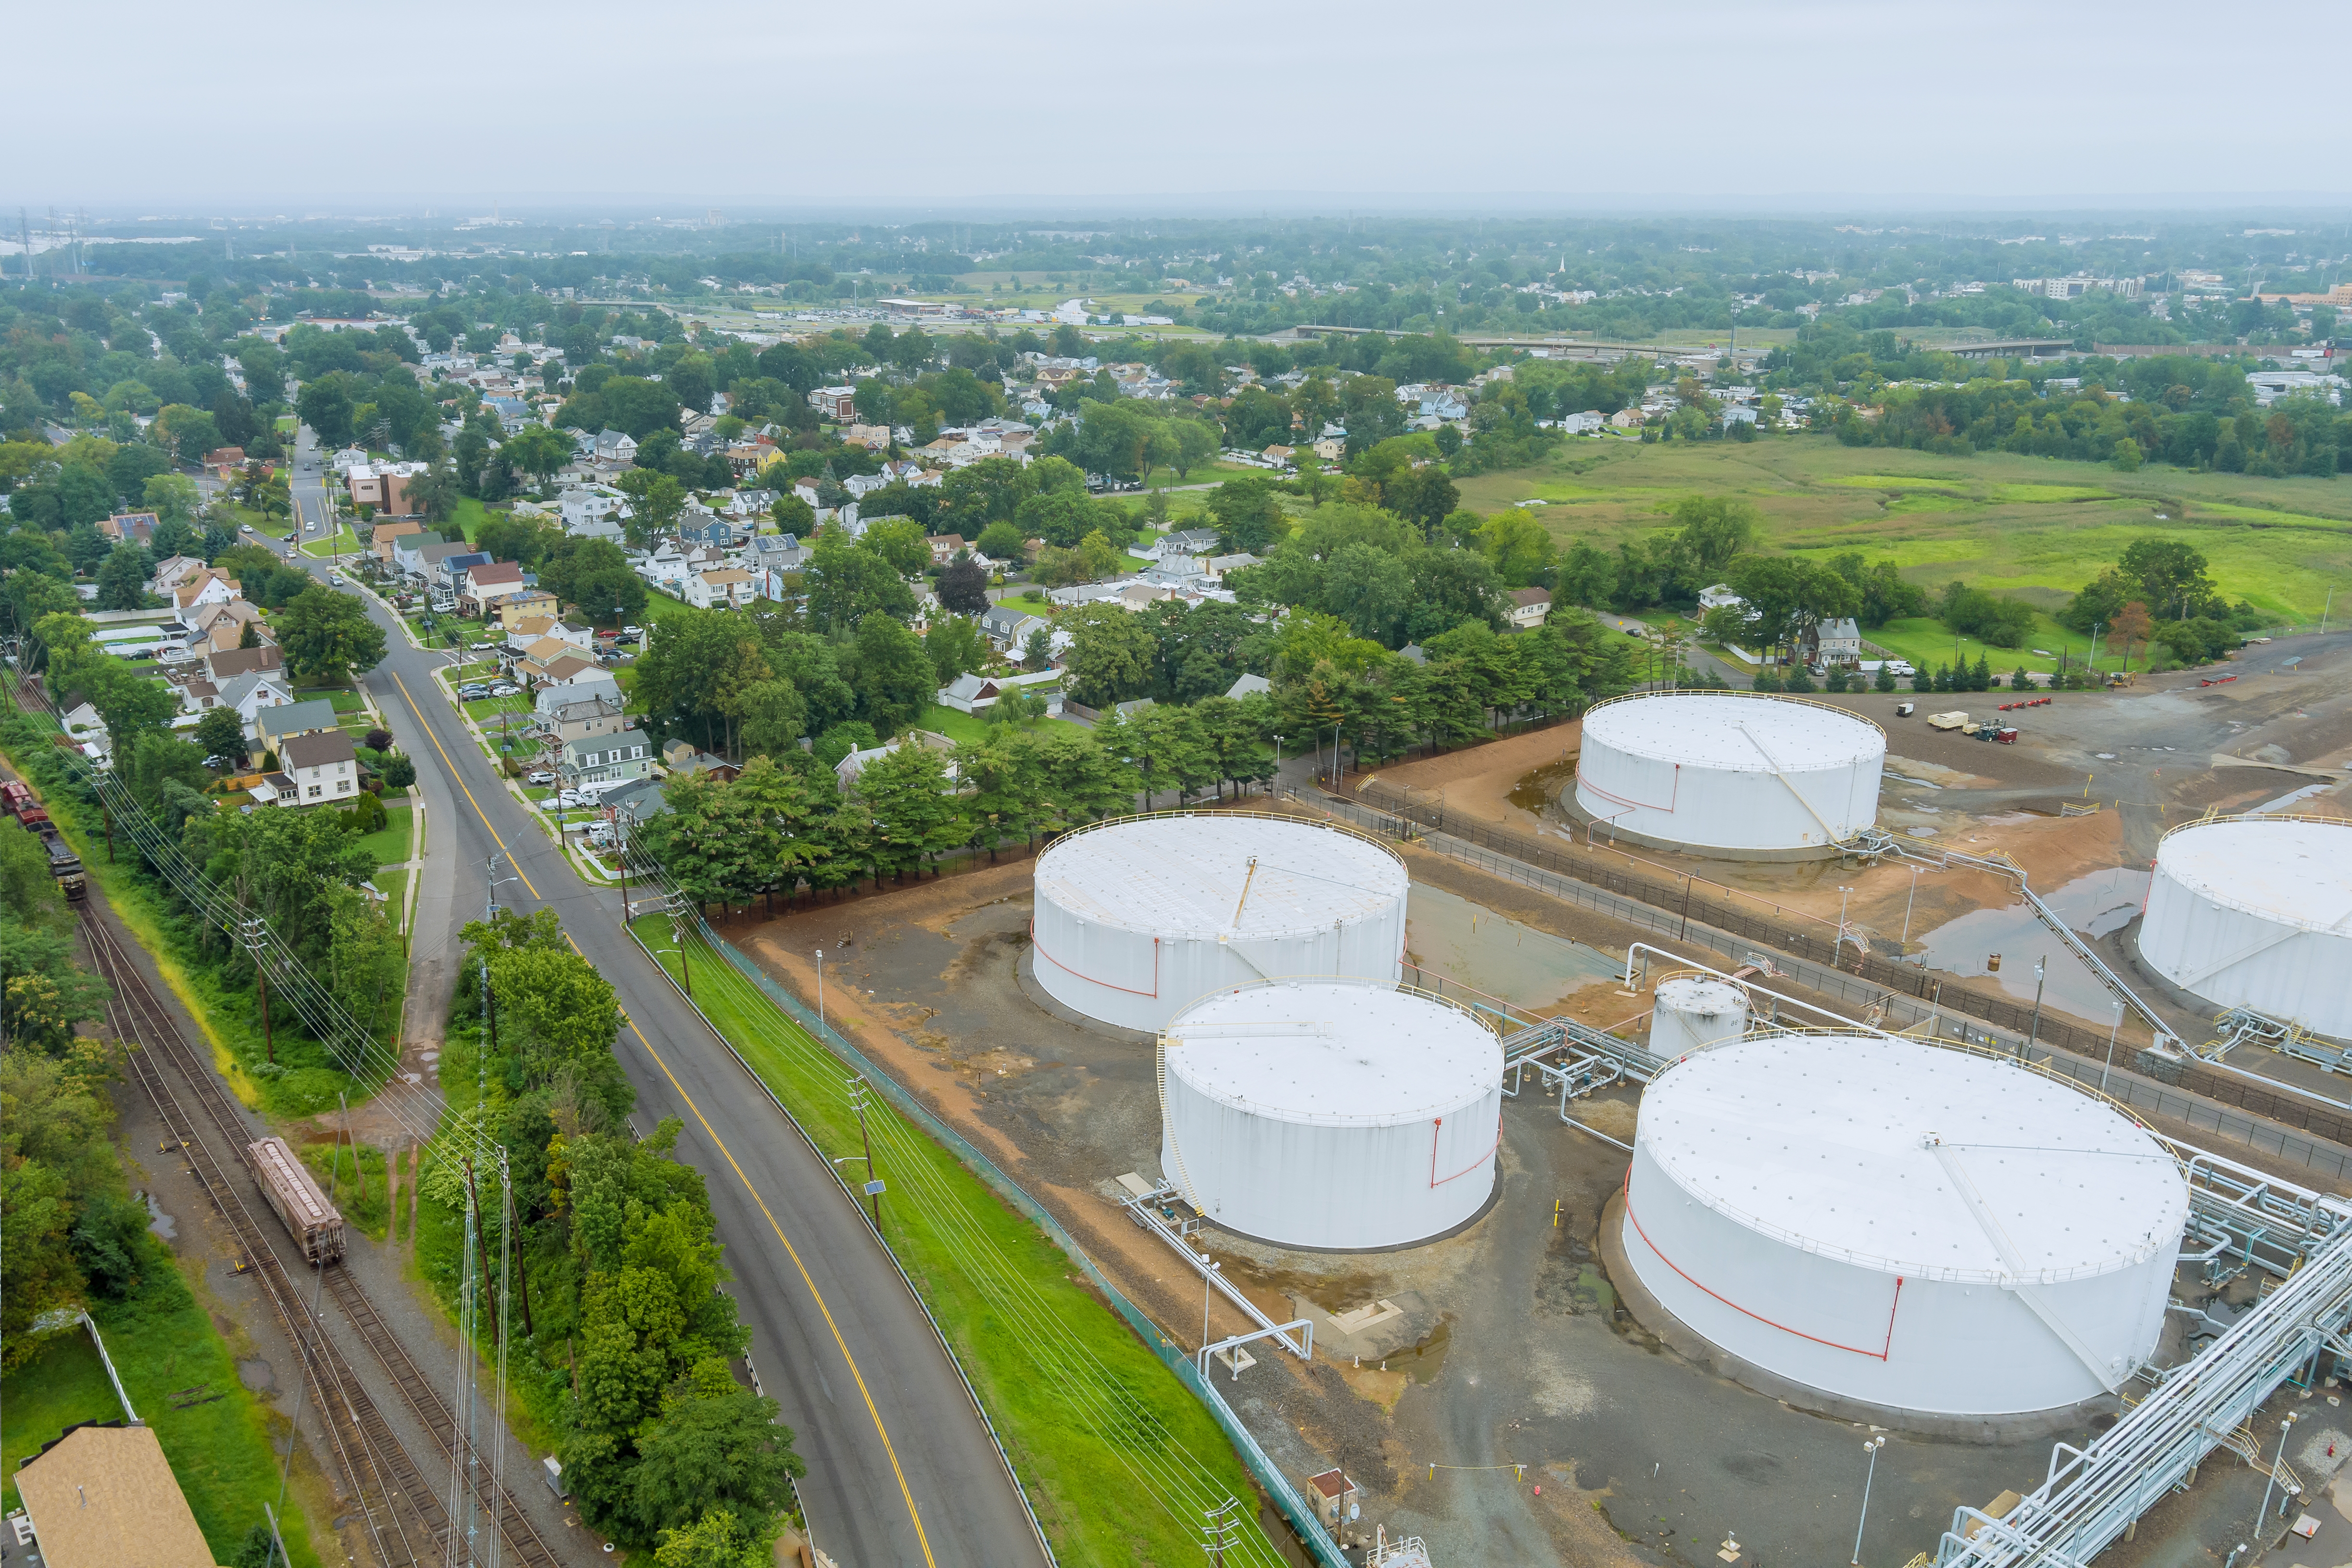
(1137, 916)
(1331, 1114)
(2256, 912)
(1737, 775)
(1916, 1228)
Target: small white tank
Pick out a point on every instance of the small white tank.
(1694, 1010)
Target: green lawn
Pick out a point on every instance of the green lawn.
(1099, 1429)
(343, 541)
(2035, 527)
(1928, 643)
(389, 843)
(214, 1433)
(469, 516)
(394, 884)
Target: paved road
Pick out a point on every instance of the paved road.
(901, 1470)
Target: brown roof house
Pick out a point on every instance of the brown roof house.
(104, 1497)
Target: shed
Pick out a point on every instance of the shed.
(103, 1495)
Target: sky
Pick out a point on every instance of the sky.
(1283, 104)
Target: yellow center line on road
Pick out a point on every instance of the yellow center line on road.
(921, 1536)
(905, 1491)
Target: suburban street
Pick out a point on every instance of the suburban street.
(900, 1467)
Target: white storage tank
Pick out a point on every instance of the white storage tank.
(1694, 1010)
(1901, 1224)
(1137, 916)
(2256, 912)
(1336, 1114)
(1729, 773)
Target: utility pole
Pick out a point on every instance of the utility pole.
(857, 1089)
(678, 936)
(249, 935)
(506, 1217)
(474, 1208)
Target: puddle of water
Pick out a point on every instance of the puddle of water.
(1450, 936)
(2102, 902)
(1534, 790)
(163, 1225)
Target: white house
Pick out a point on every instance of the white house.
(1529, 606)
(249, 694)
(594, 512)
(1588, 423)
(615, 446)
(317, 769)
(605, 758)
(728, 587)
(1840, 641)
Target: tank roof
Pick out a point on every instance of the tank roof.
(1912, 1159)
(1700, 993)
(1334, 1052)
(2297, 871)
(1184, 875)
(1734, 731)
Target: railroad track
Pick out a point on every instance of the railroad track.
(405, 1516)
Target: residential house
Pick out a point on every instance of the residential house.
(632, 804)
(1217, 566)
(969, 693)
(249, 694)
(944, 547)
(552, 700)
(846, 771)
(384, 535)
(198, 695)
(383, 485)
(485, 586)
(170, 572)
(836, 405)
(707, 529)
(1588, 423)
(210, 585)
(272, 724)
(1626, 419)
(81, 721)
(601, 758)
(1184, 545)
(1718, 597)
(1839, 641)
(529, 604)
(321, 768)
(869, 435)
(615, 446)
(227, 664)
(594, 511)
(235, 614)
(567, 716)
(224, 462)
(1244, 685)
(103, 1495)
(1529, 608)
(728, 587)
(408, 550)
(446, 572)
(687, 759)
(1331, 449)
(129, 527)
(775, 552)
(1281, 454)
(1008, 628)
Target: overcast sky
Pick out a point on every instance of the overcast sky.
(377, 108)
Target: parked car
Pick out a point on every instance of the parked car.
(482, 647)
(540, 776)
(632, 631)
(473, 691)
(506, 688)
(570, 797)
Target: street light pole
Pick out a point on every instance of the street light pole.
(820, 993)
(1907, 901)
(1207, 1279)
(1868, 1476)
(2110, 1065)
(2261, 1520)
(2033, 1035)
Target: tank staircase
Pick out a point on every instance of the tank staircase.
(2165, 1037)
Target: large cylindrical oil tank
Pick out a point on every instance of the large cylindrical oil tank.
(1908, 1226)
(1694, 1010)
(1137, 916)
(2256, 912)
(1729, 773)
(1339, 1114)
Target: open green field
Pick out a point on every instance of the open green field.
(1117, 1456)
(181, 1379)
(343, 541)
(2035, 527)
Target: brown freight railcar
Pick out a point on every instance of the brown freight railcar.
(313, 1222)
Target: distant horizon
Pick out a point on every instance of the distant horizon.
(569, 208)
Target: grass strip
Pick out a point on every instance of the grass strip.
(1117, 1456)
(182, 1378)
